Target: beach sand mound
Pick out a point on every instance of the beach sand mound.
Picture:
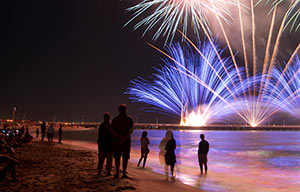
(47, 167)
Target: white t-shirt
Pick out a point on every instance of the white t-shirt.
(50, 129)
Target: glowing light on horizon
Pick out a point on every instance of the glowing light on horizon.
(195, 119)
(253, 124)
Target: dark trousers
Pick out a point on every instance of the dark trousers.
(43, 135)
(101, 157)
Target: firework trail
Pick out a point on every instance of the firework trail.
(258, 109)
(170, 15)
(287, 87)
(293, 12)
(188, 87)
(204, 88)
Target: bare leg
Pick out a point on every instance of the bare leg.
(205, 166)
(145, 159)
(142, 156)
(172, 169)
(166, 171)
(201, 168)
(125, 162)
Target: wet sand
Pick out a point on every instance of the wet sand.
(67, 167)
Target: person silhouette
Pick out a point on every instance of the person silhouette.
(105, 144)
(37, 131)
(144, 148)
(122, 127)
(43, 130)
(50, 133)
(60, 132)
(170, 157)
(162, 152)
(202, 153)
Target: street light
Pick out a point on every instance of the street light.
(13, 115)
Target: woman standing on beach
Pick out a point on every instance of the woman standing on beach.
(170, 156)
(144, 148)
(105, 144)
(167, 154)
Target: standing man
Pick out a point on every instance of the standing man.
(122, 127)
(60, 132)
(202, 153)
(37, 132)
(43, 130)
(50, 133)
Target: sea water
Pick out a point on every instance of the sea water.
(237, 160)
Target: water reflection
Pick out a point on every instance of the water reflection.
(237, 161)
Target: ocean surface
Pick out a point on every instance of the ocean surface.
(237, 160)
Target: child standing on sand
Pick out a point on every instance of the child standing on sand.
(144, 148)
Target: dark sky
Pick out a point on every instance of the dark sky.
(70, 57)
(74, 57)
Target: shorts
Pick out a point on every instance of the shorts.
(145, 150)
(202, 158)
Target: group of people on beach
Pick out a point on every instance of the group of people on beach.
(11, 138)
(167, 148)
(50, 132)
(114, 141)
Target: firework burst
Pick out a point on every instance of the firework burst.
(188, 86)
(170, 15)
(286, 90)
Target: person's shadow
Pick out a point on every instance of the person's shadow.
(178, 158)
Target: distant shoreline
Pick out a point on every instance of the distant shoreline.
(219, 127)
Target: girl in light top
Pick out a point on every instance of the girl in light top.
(167, 155)
(144, 148)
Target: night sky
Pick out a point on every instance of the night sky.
(70, 58)
(75, 57)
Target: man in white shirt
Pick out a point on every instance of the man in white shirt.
(50, 133)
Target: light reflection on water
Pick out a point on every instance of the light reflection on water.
(237, 160)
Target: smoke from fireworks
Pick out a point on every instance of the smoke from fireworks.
(293, 12)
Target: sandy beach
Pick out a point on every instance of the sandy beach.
(63, 167)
